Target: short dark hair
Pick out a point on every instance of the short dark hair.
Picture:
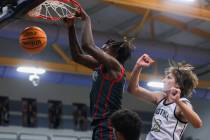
(122, 48)
(128, 123)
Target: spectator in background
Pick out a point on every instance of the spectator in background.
(4, 111)
(5, 115)
(126, 125)
(57, 116)
(29, 112)
(1, 117)
(24, 113)
(80, 117)
(83, 118)
(54, 115)
(51, 115)
(31, 116)
(75, 117)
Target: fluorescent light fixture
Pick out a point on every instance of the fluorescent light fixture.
(183, 0)
(155, 84)
(189, 0)
(26, 69)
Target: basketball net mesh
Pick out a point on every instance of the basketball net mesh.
(54, 10)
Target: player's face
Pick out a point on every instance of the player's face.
(114, 133)
(117, 135)
(169, 81)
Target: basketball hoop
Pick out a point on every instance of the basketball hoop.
(56, 10)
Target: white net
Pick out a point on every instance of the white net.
(54, 10)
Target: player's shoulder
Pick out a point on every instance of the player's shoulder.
(160, 96)
(186, 101)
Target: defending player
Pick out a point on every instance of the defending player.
(174, 110)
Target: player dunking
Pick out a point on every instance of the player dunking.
(108, 76)
(173, 110)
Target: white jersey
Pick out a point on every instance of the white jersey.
(165, 124)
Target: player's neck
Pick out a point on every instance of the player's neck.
(169, 100)
(119, 136)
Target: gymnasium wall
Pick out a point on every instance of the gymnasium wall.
(59, 35)
(68, 94)
(202, 107)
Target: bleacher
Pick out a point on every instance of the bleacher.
(21, 133)
(66, 130)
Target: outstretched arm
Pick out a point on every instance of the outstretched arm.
(133, 86)
(88, 44)
(76, 52)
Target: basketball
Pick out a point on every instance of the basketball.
(33, 39)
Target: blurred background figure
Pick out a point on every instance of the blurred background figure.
(54, 113)
(29, 112)
(80, 117)
(4, 111)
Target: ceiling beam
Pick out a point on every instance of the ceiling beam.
(74, 68)
(152, 28)
(49, 66)
(164, 6)
(138, 10)
(183, 26)
(96, 8)
(139, 26)
(125, 24)
(167, 20)
(61, 53)
(204, 44)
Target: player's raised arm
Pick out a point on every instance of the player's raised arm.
(88, 45)
(135, 89)
(76, 52)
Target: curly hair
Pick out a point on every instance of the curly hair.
(123, 49)
(184, 76)
(128, 123)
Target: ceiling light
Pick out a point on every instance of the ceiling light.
(155, 84)
(189, 0)
(183, 0)
(26, 69)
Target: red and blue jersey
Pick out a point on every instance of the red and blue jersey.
(106, 93)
